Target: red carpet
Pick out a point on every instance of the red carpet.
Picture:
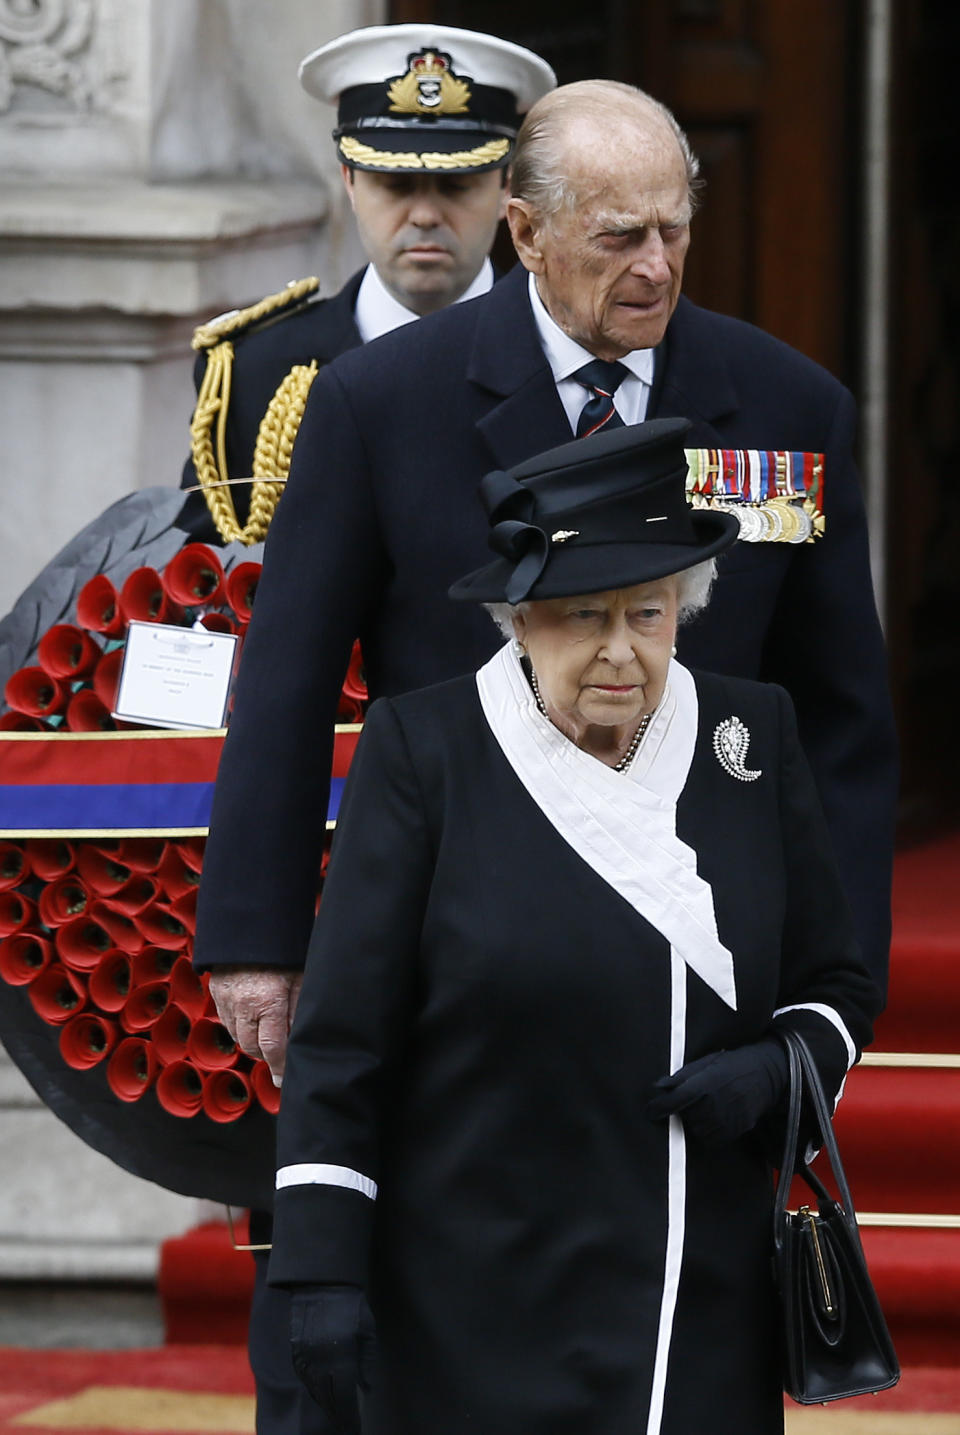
(175, 1390)
(899, 1122)
(923, 1013)
(206, 1390)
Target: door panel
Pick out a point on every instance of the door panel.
(760, 90)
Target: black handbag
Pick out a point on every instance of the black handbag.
(836, 1341)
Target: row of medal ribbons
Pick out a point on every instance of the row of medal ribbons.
(777, 495)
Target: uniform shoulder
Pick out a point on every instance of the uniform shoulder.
(295, 325)
(238, 322)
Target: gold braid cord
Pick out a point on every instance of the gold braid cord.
(271, 455)
(212, 403)
(278, 428)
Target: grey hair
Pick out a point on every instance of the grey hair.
(537, 173)
(693, 595)
(694, 588)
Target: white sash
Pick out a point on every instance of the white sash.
(623, 825)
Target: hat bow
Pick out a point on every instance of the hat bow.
(512, 535)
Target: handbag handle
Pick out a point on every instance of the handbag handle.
(803, 1073)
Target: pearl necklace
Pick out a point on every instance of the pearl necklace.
(635, 741)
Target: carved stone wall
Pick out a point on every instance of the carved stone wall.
(165, 89)
(48, 59)
(72, 94)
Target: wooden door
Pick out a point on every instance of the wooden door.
(761, 90)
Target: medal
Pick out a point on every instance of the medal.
(752, 527)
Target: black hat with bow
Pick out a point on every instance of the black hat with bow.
(598, 513)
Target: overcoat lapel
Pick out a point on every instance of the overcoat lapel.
(696, 382)
(507, 361)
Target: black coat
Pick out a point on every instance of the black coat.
(263, 357)
(481, 1025)
(381, 514)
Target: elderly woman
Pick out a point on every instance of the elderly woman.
(571, 901)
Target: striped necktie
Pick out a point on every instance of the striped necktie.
(603, 379)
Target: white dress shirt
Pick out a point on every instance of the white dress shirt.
(565, 356)
(376, 311)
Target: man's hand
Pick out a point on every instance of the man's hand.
(256, 1005)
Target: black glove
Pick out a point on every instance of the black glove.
(724, 1095)
(333, 1343)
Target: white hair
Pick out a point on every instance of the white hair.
(538, 171)
(694, 587)
(693, 594)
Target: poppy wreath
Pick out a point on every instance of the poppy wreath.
(99, 931)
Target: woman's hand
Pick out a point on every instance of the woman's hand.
(333, 1344)
(722, 1096)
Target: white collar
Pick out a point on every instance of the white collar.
(377, 312)
(623, 825)
(565, 355)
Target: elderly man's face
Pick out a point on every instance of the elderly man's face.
(601, 659)
(427, 235)
(609, 266)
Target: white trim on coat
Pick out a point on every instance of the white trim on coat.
(831, 1015)
(676, 1201)
(310, 1173)
(623, 825)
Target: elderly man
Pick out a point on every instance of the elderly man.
(381, 515)
(442, 106)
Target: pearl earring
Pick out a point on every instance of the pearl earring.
(673, 651)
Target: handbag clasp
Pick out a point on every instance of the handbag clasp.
(809, 1216)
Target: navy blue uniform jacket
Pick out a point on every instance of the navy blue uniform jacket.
(381, 514)
(263, 357)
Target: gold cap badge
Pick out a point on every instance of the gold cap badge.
(429, 87)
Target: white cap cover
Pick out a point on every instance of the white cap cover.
(425, 97)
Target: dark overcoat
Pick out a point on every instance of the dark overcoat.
(482, 1021)
(381, 514)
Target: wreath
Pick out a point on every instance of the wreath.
(98, 932)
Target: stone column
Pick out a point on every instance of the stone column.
(159, 164)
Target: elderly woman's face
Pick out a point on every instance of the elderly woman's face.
(601, 658)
